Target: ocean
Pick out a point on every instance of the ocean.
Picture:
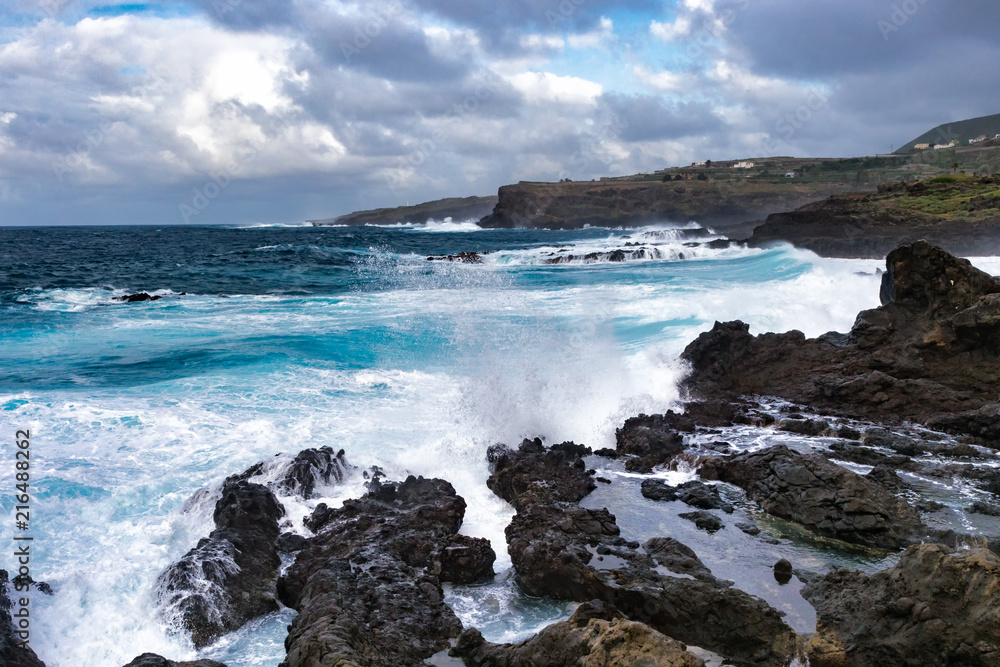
(272, 339)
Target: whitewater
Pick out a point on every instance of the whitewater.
(270, 340)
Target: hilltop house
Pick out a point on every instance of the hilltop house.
(743, 165)
(939, 147)
(981, 137)
(791, 174)
(921, 147)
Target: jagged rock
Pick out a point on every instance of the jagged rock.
(368, 586)
(597, 635)
(139, 296)
(153, 660)
(694, 493)
(534, 474)
(14, 649)
(929, 354)
(229, 577)
(310, 468)
(567, 552)
(989, 509)
(462, 257)
(887, 477)
(657, 489)
(649, 440)
(934, 608)
(822, 496)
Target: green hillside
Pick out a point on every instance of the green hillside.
(962, 130)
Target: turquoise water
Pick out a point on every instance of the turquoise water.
(274, 339)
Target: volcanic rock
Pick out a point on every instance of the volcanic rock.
(13, 652)
(929, 354)
(229, 577)
(934, 608)
(153, 660)
(597, 635)
(828, 499)
(368, 586)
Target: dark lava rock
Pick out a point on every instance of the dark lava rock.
(929, 354)
(229, 578)
(704, 520)
(657, 489)
(677, 557)
(14, 649)
(649, 440)
(153, 660)
(748, 528)
(804, 426)
(822, 496)
(567, 552)
(310, 468)
(462, 257)
(596, 634)
(290, 543)
(989, 509)
(368, 585)
(140, 296)
(534, 474)
(934, 608)
(783, 571)
(887, 477)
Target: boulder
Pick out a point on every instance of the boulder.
(533, 474)
(597, 635)
(936, 607)
(829, 500)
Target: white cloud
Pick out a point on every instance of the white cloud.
(595, 38)
(542, 87)
(665, 80)
(670, 31)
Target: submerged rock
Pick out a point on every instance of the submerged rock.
(368, 586)
(704, 520)
(139, 296)
(14, 651)
(934, 608)
(828, 499)
(597, 635)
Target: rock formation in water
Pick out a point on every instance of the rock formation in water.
(567, 552)
(14, 652)
(929, 354)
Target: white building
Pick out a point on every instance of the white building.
(743, 165)
(791, 174)
(939, 147)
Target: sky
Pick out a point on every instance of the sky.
(279, 111)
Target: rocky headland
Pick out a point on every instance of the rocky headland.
(959, 213)
(456, 208)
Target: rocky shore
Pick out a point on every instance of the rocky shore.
(821, 447)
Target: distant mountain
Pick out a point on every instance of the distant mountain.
(457, 208)
(962, 130)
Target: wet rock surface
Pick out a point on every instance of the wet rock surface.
(153, 660)
(936, 607)
(828, 499)
(563, 551)
(230, 577)
(13, 652)
(929, 354)
(368, 585)
(596, 635)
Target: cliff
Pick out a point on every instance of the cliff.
(958, 213)
(622, 203)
